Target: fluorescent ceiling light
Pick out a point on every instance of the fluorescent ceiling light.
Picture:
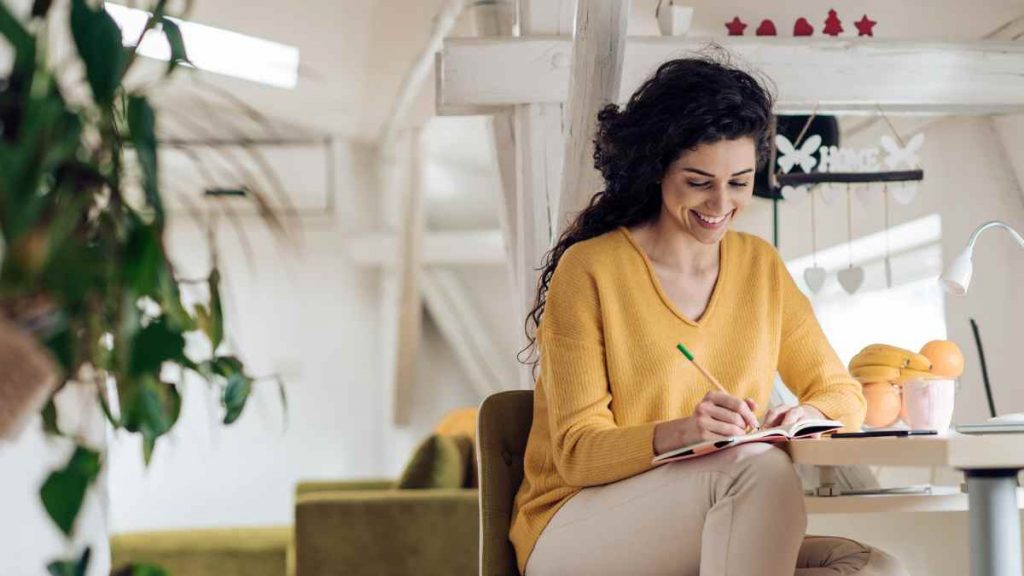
(214, 50)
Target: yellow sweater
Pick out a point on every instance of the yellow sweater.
(609, 369)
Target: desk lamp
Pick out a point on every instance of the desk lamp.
(957, 278)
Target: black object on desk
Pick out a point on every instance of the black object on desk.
(877, 433)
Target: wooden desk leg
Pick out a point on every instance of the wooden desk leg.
(994, 522)
(828, 483)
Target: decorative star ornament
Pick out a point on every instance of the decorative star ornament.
(736, 27)
(865, 26)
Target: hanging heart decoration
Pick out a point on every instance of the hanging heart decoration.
(866, 194)
(851, 279)
(794, 193)
(829, 194)
(814, 277)
(904, 194)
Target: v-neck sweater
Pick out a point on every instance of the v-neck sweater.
(610, 370)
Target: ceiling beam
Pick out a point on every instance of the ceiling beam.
(449, 248)
(837, 76)
(598, 48)
(409, 271)
(448, 302)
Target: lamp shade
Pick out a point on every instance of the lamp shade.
(957, 277)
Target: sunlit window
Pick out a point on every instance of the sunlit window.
(908, 314)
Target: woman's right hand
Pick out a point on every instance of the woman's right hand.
(718, 415)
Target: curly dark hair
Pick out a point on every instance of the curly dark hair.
(686, 103)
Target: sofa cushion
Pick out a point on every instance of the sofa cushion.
(261, 551)
(440, 462)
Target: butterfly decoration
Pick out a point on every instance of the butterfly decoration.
(897, 154)
(791, 156)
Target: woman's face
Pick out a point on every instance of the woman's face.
(704, 189)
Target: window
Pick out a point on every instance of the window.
(908, 314)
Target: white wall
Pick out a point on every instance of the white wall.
(968, 179)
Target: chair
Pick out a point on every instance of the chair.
(503, 428)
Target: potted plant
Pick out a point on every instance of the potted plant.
(87, 292)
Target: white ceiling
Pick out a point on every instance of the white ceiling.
(354, 54)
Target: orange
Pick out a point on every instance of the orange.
(947, 360)
(884, 404)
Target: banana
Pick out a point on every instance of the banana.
(885, 355)
(907, 374)
(866, 374)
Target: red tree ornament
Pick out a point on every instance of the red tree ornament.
(833, 26)
(865, 26)
(736, 27)
(767, 28)
(802, 27)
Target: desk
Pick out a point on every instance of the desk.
(990, 464)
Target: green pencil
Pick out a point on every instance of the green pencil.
(689, 356)
(708, 375)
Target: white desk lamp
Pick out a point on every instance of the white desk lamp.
(957, 278)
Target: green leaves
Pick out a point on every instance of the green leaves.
(64, 490)
(149, 407)
(142, 125)
(70, 567)
(236, 393)
(237, 385)
(211, 320)
(99, 44)
(18, 36)
(178, 54)
(155, 344)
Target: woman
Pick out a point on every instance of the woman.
(650, 263)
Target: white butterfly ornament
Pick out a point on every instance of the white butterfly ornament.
(896, 155)
(790, 156)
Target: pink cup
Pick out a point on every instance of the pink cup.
(928, 404)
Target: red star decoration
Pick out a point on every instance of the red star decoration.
(736, 27)
(865, 26)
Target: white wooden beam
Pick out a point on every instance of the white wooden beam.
(539, 148)
(838, 76)
(409, 305)
(448, 303)
(598, 50)
(412, 82)
(440, 248)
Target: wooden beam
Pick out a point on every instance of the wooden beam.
(412, 82)
(448, 248)
(838, 76)
(409, 305)
(448, 302)
(597, 53)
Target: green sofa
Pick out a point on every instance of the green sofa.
(368, 527)
(208, 551)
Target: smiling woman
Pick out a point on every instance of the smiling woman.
(649, 263)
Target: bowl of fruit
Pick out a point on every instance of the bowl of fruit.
(915, 387)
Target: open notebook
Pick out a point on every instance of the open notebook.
(778, 434)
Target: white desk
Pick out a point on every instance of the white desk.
(990, 464)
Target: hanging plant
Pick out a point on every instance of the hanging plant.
(87, 292)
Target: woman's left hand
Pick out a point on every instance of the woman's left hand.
(786, 415)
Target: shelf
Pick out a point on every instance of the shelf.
(942, 499)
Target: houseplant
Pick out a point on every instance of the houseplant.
(85, 281)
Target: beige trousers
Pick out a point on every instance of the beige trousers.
(739, 512)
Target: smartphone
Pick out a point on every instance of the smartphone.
(877, 433)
